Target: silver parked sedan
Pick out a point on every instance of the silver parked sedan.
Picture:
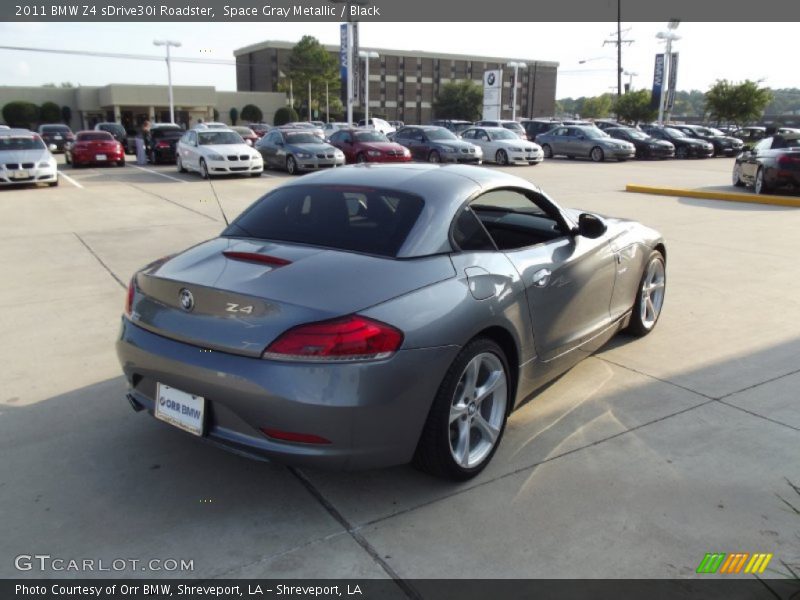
(584, 141)
(24, 158)
(380, 314)
(298, 150)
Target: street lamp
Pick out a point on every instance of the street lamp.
(169, 43)
(630, 75)
(366, 55)
(516, 66)
(668, 36)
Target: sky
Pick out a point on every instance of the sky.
(708, 51)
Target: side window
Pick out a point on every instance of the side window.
(469, 234)
(192, 135)
(417, 135)
(764, 144)
(337, 137)
(469, 134)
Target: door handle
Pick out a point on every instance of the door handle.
(542, 277)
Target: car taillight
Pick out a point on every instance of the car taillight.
(162, 145)
(786, 160)
(345, 339)
(129, 297)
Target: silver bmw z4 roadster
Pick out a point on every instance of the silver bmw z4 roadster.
(376, 315)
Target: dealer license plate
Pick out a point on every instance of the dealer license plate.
(183, 410)
(20, 175)
(100, 157)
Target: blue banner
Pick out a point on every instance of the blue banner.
(343, 60)
(658, 81)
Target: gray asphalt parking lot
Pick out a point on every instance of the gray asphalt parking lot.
(636, 463)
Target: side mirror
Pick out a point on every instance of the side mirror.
(52, 147)
(591, 226)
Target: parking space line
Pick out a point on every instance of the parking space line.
(157, 173)
(70, 179)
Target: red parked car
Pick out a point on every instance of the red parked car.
(248, 135)
(368, 145)
(94, 148)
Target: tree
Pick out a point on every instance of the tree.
(233, 113)
(737, 103)
(311, 62)
(459, 100)
(285, 114)
(66, 114)
(634, 107)
(252, 114)
(49, 112)
(21, 114)
(597, 107)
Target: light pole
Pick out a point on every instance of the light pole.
(366, 55)
(516, 66)
(630, 75)
(169, 43)
(668, 36)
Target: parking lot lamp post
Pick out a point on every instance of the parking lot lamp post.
(630, 75)
(516, 66)
(366, 55)
(169, 43)
(668, 36)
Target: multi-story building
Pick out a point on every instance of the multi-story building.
(403, 84)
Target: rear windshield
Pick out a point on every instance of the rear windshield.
(21, 143)
(113, 128)
(167, 133)
(55, 129)
(359, 219)
(95, 136)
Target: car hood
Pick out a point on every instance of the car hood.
(229, 148)
(518, 143)
(318, 147)
(454, 143)
(20, 156)
(381, 146)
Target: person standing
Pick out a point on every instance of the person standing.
(142, 139)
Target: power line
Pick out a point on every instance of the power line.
(152, 57)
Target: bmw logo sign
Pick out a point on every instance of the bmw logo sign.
(490, 79)
(186, 299)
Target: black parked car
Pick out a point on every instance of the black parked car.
(685, 146)
(534, 127)
(773, 162)
(116, 130)
(453, 125)
(646, 146)
(56, 134)
(161, 145)
(724, 145)
(437, 144)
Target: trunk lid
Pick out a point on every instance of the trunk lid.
(241, 306)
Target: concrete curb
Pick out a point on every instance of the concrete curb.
(730, 196)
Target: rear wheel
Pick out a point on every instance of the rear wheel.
(468, 415)
(737, 175)
(361, 159)
(650, 296)
(501, 158)
(597, 154)
(179, 164)
(121, 163)
(761, 186)
(203, 169)
(547, 151)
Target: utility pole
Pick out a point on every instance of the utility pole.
(618, 42)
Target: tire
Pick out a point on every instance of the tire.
(203, 169)
(597, 154)
(501, 158)
(361, 159)
(291, 165)
(460, 435)
(256, 174)
(153, 160)
(761, 186)
(53, 183)
(434, 157)
(179, 164)
(737, 175)
(547, 151)
(681, 152)
(649, 296)
(121, 163)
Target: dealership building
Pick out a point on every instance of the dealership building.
(403, 84)
(132, 104)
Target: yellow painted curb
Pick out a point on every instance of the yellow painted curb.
(731, 196)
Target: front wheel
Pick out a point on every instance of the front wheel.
(291, 165)
(203, 169)
(650, 296)
(597, 154)
(434, 157)
(682, 152)
(501, 158)
(737, 175)
(468, 415)
(547, 151)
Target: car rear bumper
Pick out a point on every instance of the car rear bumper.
(90, 158)
(371, 412)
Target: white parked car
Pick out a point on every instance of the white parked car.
(24, 158)
(378, 124)
(503, 146)
(217, 152)
(333, 127)
(211, 125)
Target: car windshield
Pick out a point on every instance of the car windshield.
(244, 131)
(21, 142)
(209, 138)
(301, 137)
(95, 136)
(637, 135)
(593, 133)
(440, 134)
(674, 133)
(370, 136)
(711, 131)
(503, 135)
(353, 218)
(113, 128)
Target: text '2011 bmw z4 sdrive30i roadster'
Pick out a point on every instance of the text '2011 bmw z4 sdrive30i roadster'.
(376, 315)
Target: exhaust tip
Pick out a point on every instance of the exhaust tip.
(135, 405)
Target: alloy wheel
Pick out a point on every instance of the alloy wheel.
(652, 293)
